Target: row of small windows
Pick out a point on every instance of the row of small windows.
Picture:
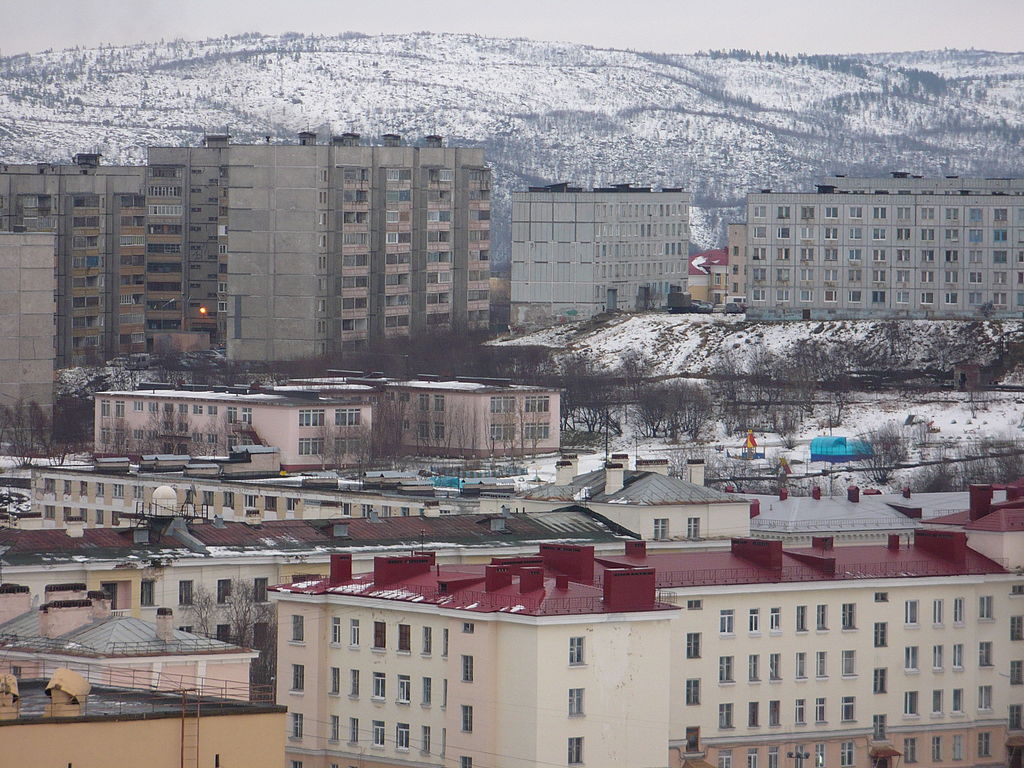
(905, 255)
(925, 234)
(881, 213)
(998, 299)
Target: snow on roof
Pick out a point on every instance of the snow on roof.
(830, 513)
(700, 263)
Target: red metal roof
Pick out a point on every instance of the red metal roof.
(1003, 520)
(584, 583)
(718, 257)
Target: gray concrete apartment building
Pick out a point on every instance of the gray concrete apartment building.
(27, 283)
(577, 252)
(97, 213)
(898, 246)
(335, 245)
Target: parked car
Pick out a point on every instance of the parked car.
(735, 308)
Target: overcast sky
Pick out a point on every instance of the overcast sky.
(812, 26)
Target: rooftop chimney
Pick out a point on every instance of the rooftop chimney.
(853, 494)
(762, 552)
(893, 542)
(165, 625)
(15, 600)
(307, 138)
(621, 458)
(564, 472)
(497, 577)
(636, 549)
(61, 616)
(341, 569)
(822, 542)
(981, 500)
(695, 471)
(614, 475)
(531, 579)
(392, 140)
(433, 141)
(906, 492)
(755, 508)
(816, 493)
(657, 466)
(629, 589)
(561, 581)
(949, 545)
(575, 560)
(388, 570)
(101, 608)
(346, 140)
(783, 494)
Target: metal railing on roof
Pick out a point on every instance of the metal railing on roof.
(151, 688)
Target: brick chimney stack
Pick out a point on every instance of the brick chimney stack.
(165, 625)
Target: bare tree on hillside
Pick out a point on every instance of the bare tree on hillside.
(889, 448)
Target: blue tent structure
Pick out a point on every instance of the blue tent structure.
(839, 450)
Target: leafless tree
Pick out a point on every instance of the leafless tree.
(888, 448)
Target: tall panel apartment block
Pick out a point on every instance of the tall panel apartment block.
(186, 199)
(904, 246)
(333, 246)
(27, 282)
(577, 252)
(97, 213)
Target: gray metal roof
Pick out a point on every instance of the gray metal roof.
(114, 636)
(648, 488)
(804, 514)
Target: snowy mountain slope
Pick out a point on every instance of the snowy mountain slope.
(692, 344)
(718, 124)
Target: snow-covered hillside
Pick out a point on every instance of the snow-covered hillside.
(691, 345)
(716, 124)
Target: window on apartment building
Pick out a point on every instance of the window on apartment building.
(821, 664)
(985, 653)
(298, 628)
(910, 657)
(693, 527)
(575, 702)
(296, 729)
(958, 656)
(727, 621)
(147, 592)
(937, 656)
(936, 749)
(848, 708)
(402, 736)
(380, 635)
(725, 719)
(427, 685)
(958, 610)
(753, 714)
(1017, 628)
(378, 733)
(985, 607)
(335, 728)
(444, 643)
(910, 750)
(1017, 672)
(910, 612)
(849, 616)
(660, 528)
(223, 590)
(467, 718)
(576, 657)
(353, 683)
(467, 669)
(693, 645)
(404, 638)
(353, 633)
(404, 689)
(879, 727)
(753, 667)
(427, 641)
(937, 701)
(693, 692)
(881, 634)
(799, 711)
(1015, 718)
(774, 712)
(801, 618)
(984, 744)
(910, 703)
(846, 754)
(879, 680)
(298, 677)
(800, 665)
(725, 669)
(575, 750)
(849, 662)
(754, 620)
(819, 710)
(185, 592)
(821, 617)
(775, 666)
(379, 685)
